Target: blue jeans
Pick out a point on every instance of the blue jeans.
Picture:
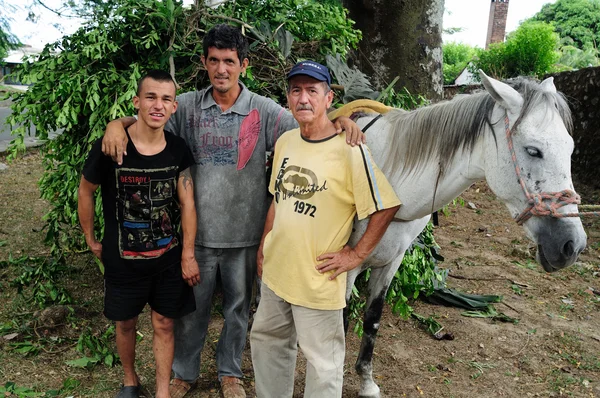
(238, 269)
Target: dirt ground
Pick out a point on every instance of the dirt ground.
(553, 350)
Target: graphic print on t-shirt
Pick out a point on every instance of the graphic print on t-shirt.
(145, 218)
(211, 146)
(248, 137)
(297, 182)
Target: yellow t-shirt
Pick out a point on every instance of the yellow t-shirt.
(318, 188)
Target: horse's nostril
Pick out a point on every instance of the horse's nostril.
(568, 249)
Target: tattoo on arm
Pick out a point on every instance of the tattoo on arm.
(186, 177)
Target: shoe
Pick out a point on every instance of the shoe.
(232, 387)
(178, 388)
(129, 392)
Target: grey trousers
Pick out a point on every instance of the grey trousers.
(278, 328)
(237, 269)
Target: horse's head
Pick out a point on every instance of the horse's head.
(538, 118)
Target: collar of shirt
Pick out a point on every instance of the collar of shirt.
(241, 105)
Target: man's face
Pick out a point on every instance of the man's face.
(224, 68)
(156, 102)
(308, 98)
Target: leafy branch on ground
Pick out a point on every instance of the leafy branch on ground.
(38, 280)
(97, 348)
(415, 277)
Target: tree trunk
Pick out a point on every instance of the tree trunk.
(401, 38)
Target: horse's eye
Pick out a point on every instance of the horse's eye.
(534, 152)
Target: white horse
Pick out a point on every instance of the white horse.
(434, 153)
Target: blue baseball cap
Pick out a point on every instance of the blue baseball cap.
(312, 69)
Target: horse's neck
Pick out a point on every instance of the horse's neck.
(429, 190)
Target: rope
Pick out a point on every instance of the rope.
(545, 203)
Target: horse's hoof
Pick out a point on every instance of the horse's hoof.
(371, 393)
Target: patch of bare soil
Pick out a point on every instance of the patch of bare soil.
(553, 350)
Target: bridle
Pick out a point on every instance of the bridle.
(544, 204)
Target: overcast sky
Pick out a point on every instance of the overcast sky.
(471, 15)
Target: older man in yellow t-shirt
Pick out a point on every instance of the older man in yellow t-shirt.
(319, 184)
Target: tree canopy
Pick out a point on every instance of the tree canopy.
(531, 50)
(575, 20)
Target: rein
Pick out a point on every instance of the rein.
(545, 203)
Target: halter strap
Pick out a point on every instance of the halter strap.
(544, 203)
(372, 122)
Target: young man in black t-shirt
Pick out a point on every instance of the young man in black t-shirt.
(145, 201)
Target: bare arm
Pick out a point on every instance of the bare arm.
(185, 193)
(85, 210)
(349, 258)
(114, 143)
(268, 227)
(354, 135)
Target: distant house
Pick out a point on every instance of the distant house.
(14, 59)
(465, 78)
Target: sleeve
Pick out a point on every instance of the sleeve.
(276, 121)
(275, 169)
(372, 191)
(94, 168)
(176, 123)
(187, 159)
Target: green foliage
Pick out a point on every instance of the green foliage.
(531, 50)
(430, 323)
(38, 280)
(8, 41)
(325, 24)
(456, 58)
(577, 20)
(403, 99)
(85, 80)
(572, 57)
(10, 389)
(97, 349)
(415, 276)
(26, 348)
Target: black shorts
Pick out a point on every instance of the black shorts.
(166, 292)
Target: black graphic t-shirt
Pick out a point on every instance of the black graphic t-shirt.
(141, 207)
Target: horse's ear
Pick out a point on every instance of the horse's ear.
(548, 85)
(506, 96)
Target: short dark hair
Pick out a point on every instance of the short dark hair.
(158, 75)
(227, 37)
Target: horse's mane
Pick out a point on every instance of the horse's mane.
(442, 130)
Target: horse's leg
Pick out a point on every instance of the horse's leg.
(350, 279)
(378, 284)
(393, 246)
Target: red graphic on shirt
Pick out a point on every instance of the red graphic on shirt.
(248, 137)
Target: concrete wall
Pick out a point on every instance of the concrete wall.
(582, 89)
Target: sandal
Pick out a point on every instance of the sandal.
(178, 388)
(232, 387)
